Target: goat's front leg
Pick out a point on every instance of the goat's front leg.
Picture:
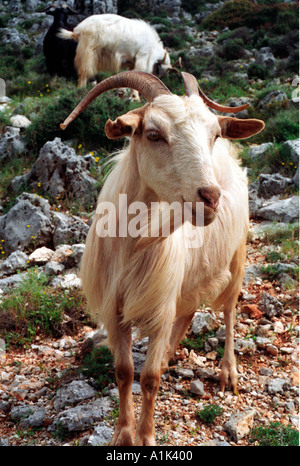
(229, 371)
(121, 345)
(229, 299)
(150, 381)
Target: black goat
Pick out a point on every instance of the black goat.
(59, 53)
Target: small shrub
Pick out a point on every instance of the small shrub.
(233, 49)
(281, 126)
(87, 128)
(34, 308)
(209, 413)
(196, 342)
(275, 435)
(256, 71)
(277, 17)
(273, 270)
(98, 364)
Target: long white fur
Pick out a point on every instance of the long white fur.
(166, 279)
(109, 42)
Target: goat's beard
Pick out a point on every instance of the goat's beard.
(209, 215)
(203, 218)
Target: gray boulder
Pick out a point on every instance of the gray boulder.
(17, 260)
(27, 222)
(265, 57)
(271, 185)
(68, 229)
(58, 170)
(11, 143)
(203, 322)
(36, 419)
(13, 37)
(282, 210)
(270, 305)
(259, 150)
(240, 424)
(75, 392)
(278, 386)
(105, 6)
(101, 437)
(197, 387)
(82, 417)
(272, 97)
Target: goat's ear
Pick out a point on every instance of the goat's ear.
(125, 125)
(235, 128)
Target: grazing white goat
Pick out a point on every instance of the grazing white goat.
(177, 153)
(111, 42)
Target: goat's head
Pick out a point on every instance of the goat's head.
(60, 12)
(164, 66)
(173, 137)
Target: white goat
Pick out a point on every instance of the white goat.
(158, 283)
(110, 42)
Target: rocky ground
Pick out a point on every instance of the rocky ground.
(36, 411)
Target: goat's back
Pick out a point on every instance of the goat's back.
(117, 32)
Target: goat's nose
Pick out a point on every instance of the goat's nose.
(210, 196)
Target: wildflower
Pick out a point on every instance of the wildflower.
(39, 184)
(47, 85)
(79, 146)
(96, 159)
(2, 252)
(28, 226)
(282, 163)
(28, 82)
(41, 95)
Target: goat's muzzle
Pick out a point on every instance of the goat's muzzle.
(210, 197)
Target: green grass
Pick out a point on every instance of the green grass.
(87, 129)
(34, 308)
(275, 435)
(209, 413)
(273, 270)
(287, 234)
(275, 160)
(98, 364)
(197, 342)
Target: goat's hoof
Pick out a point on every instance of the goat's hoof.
(145, 441)
(122, 438)
(229, 378)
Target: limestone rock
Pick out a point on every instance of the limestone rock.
(240, 424)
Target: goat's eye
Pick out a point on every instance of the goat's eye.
(217, 136)
(153, 136)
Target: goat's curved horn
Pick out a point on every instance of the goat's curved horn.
(65, 5)
(192, 87)
(146, 84)
(47, 8)
(173, 68)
